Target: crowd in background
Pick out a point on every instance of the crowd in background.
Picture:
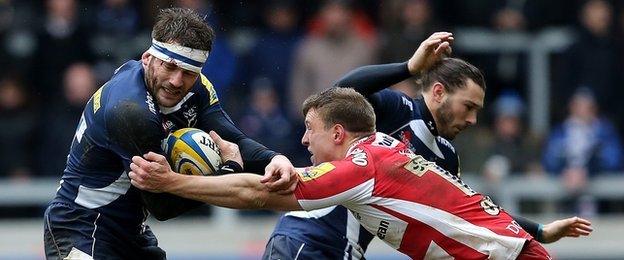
(270, 55)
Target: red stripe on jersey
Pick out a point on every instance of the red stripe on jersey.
(345, 176)
(435, 190)
(416, 246)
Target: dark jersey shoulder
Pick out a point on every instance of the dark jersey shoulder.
(410, 121)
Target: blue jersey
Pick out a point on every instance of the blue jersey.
(122, 120)
(335, 229)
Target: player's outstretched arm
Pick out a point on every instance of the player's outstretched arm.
(368, 80)
(242, 191)
(569, 227)
(276, 168)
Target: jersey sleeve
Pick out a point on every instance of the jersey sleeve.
(212, 117)
(336, 183)
(392, 109)
(370, 79)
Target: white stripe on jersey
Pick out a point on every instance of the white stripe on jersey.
(479, 238)
(92, 198)
(353, 234)
(358, 194)
(422, 132)
(169, 110)
(319, 213)
(436, 252)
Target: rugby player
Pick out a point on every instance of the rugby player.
(96, 213)
(453, 93)
(412, 204)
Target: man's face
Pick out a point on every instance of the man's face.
(320, 141)
(459, 110)
(167, 82)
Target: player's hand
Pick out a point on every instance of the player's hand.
(569, 227)
(229, 150)
(280, 175)
(430, 51)
(151, 172)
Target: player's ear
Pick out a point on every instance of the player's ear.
(145, 58)
(438, 91)
(338, 133)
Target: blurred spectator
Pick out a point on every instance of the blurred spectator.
(272, 54)
(17, 125)
(61, 119)
(17, 40)
(116, 18)
(334, 48)
(512, 149)
(265, 121)
(116, 23)
(504, 148)
(220, 68)
(61, 42)
(584, 145)
(403, 33)
(593, 60)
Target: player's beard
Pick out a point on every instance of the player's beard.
(150, 78)
(154, 85)
(444, 118)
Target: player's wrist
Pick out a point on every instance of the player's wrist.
(228, 167)
(176, 183)
(540, 233)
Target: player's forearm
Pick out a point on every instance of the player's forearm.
(368, 80)
(239, 191)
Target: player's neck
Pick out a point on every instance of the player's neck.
(354, 138)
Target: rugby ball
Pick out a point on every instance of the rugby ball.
(191, 151)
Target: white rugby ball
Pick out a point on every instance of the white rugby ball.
(191, 151)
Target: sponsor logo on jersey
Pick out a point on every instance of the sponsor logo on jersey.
(382, 229)
(149, 100)
(406, 138)
(168, 125)
(316, 172)
(417, 165)
(191, 116)
(385, 141)
(359, 157)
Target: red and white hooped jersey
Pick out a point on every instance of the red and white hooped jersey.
(411, 204)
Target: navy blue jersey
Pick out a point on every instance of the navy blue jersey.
(336, 230)
(410, 121)
(122, 120)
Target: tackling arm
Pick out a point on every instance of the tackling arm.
(239, 191)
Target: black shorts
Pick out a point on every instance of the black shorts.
(86, 233)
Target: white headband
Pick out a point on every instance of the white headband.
(185, 57)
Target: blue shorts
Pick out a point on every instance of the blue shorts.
(285, 247)
(69, 228)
